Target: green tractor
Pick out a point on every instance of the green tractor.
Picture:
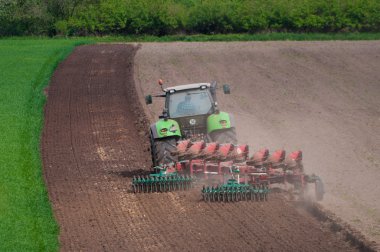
(194, 139)
(191, 112)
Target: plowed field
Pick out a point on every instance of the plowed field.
(94, 140)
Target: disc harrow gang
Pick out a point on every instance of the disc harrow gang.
(233, 191)
(161, 183)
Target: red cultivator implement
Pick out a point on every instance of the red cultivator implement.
(215, 163)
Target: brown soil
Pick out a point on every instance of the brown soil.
(320, 97)
(93, 141)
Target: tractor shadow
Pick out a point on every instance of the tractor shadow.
(131, 174)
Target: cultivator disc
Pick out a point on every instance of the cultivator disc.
(234, 191)
(161, 183)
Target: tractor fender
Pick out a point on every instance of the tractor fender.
(165, 128)
(221, 120)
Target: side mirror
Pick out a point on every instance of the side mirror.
(164, 114)
(226, 89)
(148, 99)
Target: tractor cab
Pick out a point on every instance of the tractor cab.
(190, 105)
(189, 100)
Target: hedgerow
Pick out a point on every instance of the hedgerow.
(168, 17)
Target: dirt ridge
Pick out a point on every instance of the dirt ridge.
(337, 225)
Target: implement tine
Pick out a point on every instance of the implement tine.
(203, 193)
(153, 184)
(187, 183)
(180, 183)
(134, 184)
(257, 195)
(160, 184)
(217, 193)
(165, 185)
(170, 184)
(140, 184)
(209, 194)
(175, 183)
(212, 193)
(137, 184)
(146, 184)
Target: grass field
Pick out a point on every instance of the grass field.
(26, 219)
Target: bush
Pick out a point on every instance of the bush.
(210, 16)
(61, 27)
(24, 17)
(103, 18)
(165, 17)
(154, 17)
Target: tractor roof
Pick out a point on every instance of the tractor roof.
(187, 86)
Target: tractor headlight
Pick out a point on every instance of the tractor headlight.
(192, 122)
(164, 131)
(223, 123)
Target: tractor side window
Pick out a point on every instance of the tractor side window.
(195, 102)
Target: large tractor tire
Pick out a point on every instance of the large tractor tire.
(224, 136)
(161, 150)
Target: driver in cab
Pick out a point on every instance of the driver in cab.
(186, 106)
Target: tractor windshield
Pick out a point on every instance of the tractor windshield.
(189, 103)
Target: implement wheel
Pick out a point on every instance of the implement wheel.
(161, 150)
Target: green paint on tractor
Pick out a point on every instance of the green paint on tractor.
(167, 128)
(218, 121)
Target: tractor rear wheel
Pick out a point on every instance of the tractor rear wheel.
(224, 136)
(162, 150)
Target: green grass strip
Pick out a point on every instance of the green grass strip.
(275, 36)
(26, 219)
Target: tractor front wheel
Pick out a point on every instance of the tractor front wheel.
(162, 150)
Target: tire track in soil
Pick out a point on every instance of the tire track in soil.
(93, 140)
